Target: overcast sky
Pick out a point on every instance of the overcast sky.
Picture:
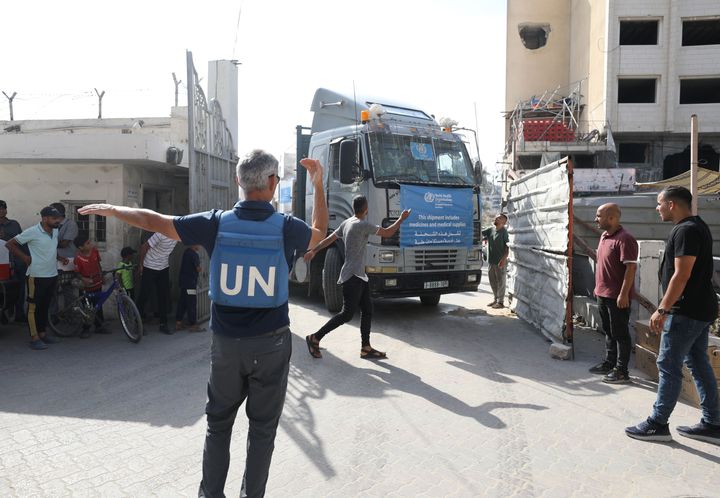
(443, 56)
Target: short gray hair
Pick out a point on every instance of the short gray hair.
(255, 169)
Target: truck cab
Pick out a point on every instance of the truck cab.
(374, 148)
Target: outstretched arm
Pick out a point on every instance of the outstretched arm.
(310, 254)
(320, 211)
(390, 231)
(142, 218)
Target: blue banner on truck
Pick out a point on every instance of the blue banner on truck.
(439, 216)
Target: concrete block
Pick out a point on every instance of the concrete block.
(560, 351)
(645, 361)
(645, 338)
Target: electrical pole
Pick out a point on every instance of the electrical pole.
(10, 99)
(177, 84)
(100, 97)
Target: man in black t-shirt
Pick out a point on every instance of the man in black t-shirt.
(687, 309)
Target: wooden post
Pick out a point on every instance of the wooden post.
(569, 331)
(694, 161)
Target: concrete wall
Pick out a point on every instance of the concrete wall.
(532, 72)
(588, 58)
(668, 61)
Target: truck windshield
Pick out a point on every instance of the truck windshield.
(420, 159)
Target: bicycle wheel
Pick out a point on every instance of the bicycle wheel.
(130, 318)
(67, 322)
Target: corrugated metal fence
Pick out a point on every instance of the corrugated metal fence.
(539, 271)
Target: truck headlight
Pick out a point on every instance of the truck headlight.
(472, 278)
(474, 255)
(390, 282)
(386, 256)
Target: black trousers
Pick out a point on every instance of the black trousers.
(187, 303)
(157, 282)
(253, 369)
(617, 335)
(356, 292)
(39, 294)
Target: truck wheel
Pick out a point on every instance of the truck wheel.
(330, 274)
(430, 300)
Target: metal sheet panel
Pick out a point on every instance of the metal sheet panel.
(539, 229)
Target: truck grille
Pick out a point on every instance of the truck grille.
(432, 259)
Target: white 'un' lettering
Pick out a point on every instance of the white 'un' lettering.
(254, 277)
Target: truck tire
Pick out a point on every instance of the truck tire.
(430, 299)
(330, 274)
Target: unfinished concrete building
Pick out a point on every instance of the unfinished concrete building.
(613, 84)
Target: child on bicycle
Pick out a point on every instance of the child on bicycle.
(189, 270)
(125, 271)
(87, 264)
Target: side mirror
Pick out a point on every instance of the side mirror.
(348, 161)
(477, 172)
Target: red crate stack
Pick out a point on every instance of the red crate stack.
(547, 130)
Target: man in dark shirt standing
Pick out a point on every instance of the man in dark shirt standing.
(688, 307)
(8, 230)
(497, 240)
(251, 347)
(614, 276)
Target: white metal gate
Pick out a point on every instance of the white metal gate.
(212, 162)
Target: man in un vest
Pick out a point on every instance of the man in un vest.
(251, 250)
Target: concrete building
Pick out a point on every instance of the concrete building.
(634, 71)
(132, 162)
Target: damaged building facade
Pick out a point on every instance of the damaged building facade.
(612, 84)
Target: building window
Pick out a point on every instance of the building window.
(637, 90)
(700, 91)
(702, 32)
(93, 226)
(534, 36)
(639, 32)
(632, 153)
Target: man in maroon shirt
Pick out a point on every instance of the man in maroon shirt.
(614, 276)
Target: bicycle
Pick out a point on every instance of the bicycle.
(70, 318)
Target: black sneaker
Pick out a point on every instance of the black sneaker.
(603, 368)
(616, 376)
(649, 431)
(702, 432)
(165, 330)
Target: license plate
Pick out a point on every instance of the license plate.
(436, 285)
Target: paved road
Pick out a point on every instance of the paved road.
(469, 404)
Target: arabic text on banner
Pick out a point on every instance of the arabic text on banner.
(439, 216)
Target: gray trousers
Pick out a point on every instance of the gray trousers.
(497, 282)
(255, 369)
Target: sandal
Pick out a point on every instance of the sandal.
(372, 354)
(313, 347)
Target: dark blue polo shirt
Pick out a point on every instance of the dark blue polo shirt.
(201, 229)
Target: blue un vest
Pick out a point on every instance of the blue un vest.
(248, 268)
